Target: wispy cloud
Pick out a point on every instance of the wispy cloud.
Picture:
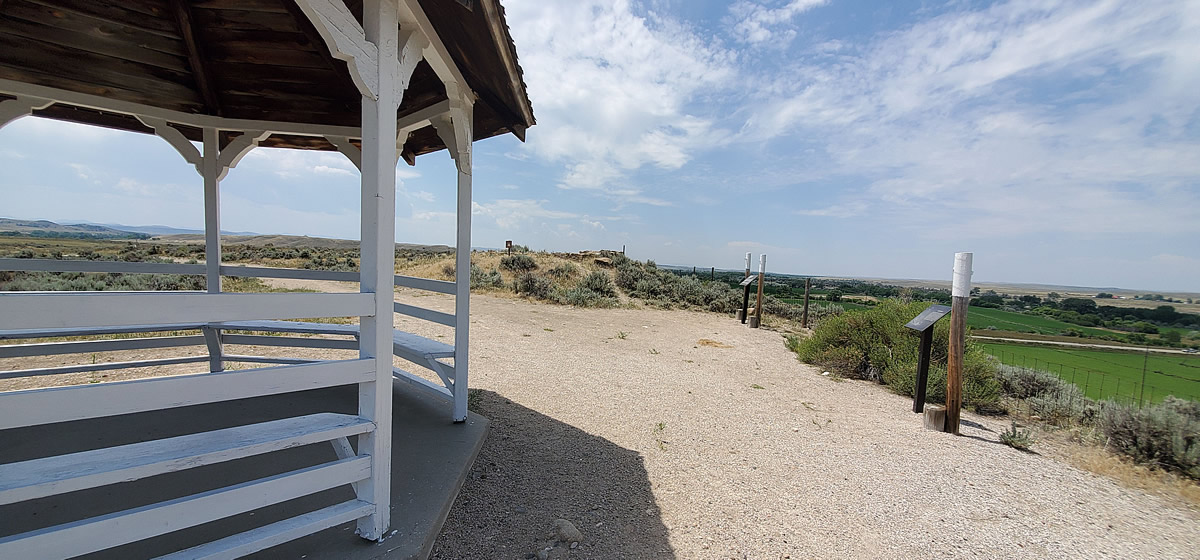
(612, 90)
(760, 22)
(1022, 116)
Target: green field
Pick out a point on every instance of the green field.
(983, 317)
(1109, 374)
(849, 306)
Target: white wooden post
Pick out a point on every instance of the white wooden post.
(210, 171)
(378, 254)
(456, 132)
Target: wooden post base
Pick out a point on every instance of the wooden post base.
(741, 316)
(935, 418)
(754, 322)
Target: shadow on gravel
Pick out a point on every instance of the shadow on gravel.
(533, 470)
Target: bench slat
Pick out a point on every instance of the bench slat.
(106, 531)
(408, 345)
(264, 537)
(49, 476)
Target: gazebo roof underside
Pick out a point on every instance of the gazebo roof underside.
(246, 59)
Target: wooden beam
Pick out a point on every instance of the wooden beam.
(196, 58)
(318, 42)
(107, 104)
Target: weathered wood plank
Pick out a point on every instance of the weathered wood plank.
(94, 40)
(242, 544)
(38, 478)
(31, 407)
(36, 310)
(196, 55)
(96, 69)
(107, 531)
(117, 13)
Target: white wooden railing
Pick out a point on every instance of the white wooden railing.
(423, 352)
(196, 319)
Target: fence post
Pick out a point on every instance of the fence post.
(762, 271)
(961, 292)
(804, 316)
(1145, 362)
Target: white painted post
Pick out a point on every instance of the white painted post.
(378, 254)
(210, 170)
(462, 280)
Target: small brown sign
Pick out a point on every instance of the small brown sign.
(508, 244)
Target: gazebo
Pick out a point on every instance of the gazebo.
(378, 81)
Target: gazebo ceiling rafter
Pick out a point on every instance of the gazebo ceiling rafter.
(255, 60)
(196, 58)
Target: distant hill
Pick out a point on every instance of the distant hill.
(163, 230)
(296, 241)
(44, 228)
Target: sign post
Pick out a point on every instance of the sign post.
(923, 324)
(961, 292)
(762, 271)
(741, 315)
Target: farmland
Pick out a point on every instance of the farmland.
(997, 319)
(1109, 374)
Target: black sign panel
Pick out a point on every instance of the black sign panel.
(928, 317)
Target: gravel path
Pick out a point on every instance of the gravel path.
(691, 436)
(659, 446)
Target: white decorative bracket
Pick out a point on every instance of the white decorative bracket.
(454, 127)
(413, 43)
(348, 149)
(346, 40)
(176, 139)
(237, 149)
(228, 157)
(13, 109)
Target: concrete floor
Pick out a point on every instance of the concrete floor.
(431, 457)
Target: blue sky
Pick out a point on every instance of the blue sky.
(1057, 140)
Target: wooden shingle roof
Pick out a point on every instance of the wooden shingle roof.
(246, 59)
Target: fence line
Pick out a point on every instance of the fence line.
(1099, 385)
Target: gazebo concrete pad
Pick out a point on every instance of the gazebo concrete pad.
(431, 457)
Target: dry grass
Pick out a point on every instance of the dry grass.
(713, 343)
(1078, 449)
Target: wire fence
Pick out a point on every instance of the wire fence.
(1107, 385)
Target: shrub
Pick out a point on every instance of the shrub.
(448, 270)
(599, 282)
(532, 285)
(563, 271)
(1016, 438)
(517, 263)
(481, 279)
(873, 344)
(1166, 435)
(1046, 395)
(583, 297)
